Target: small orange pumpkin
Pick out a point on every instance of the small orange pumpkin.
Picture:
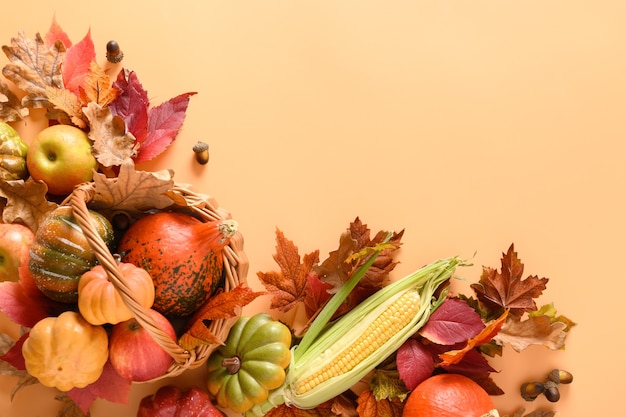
(448, 395)
(100, 302)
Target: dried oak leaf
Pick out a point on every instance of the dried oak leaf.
(26, 202)
(11, 108)
(112, 145)
(368, 406)
(67, 107)
(506, 289)
(535, 330)
(34, 67)
(223, 305)
(288, 286)
(132, 191)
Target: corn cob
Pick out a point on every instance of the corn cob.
(354, 345)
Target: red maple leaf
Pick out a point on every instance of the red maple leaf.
(506, 289)
(76, 63)
(55, 33)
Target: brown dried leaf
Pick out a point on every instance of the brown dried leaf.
(67, 102)
(26, 202)
(11, 108)
(536, 330)
(322, 410)
(111, 143)
(34, 67)
(506, 289)
(368, 406)
(288, 286)
(132, 191)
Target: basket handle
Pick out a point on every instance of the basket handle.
(78, 202)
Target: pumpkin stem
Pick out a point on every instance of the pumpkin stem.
(232, 364)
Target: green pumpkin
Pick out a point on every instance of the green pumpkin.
(250, 364)
(60, 253)
(12, 154)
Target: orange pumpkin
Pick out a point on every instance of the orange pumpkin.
(448, 395)
(100, 302)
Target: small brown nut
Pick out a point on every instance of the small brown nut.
(560, 376)
(201, 150)
(114, 54)
(552, 393)
(531, 390)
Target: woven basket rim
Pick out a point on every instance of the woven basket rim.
(235, 267)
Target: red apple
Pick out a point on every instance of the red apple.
(172, 401)
(61, 157)
(15, 240)
(133, 352)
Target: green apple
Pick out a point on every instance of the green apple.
(15, 241)
(61, 156)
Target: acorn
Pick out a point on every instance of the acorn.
(552, 393)
(531, 390)
(560, 376)
(114, 53)
(201, 150)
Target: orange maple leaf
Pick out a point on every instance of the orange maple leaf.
(368, 406)
(223, 305)
(288, 286)
(489, 332)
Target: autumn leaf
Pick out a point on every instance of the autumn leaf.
(112, 144)
(506, 289)
(535, 330)
(110, 386)
(67, 104)
(415, 363)
(13, 354)
(154, 128)
(317, 293)
(76, 63)
(11, 108)
(223, 305)
(485, 336)
(68, 407)
(96, 86)
(387, 384)
(56, 33)
(369, 407)
(164, 123)
(132, 104)
(322, 410)
(34, 67)
(132, 191)
(26, 202)
(288, 286)
(24, 303)
(453, 322)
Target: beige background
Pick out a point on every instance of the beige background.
(471, 124)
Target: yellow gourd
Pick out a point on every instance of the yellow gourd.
(66, 351)
(100, 302)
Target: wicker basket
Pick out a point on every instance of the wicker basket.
(235, 268)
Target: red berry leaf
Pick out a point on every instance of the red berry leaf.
(110, 386)
(23, 303)
(453, 322)
(473, 363)
(14, 355)
(415, 363)
(131, 104)
(317, 293)
(164, 122)
(76, 63)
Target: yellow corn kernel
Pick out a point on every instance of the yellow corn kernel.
(388, 323)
